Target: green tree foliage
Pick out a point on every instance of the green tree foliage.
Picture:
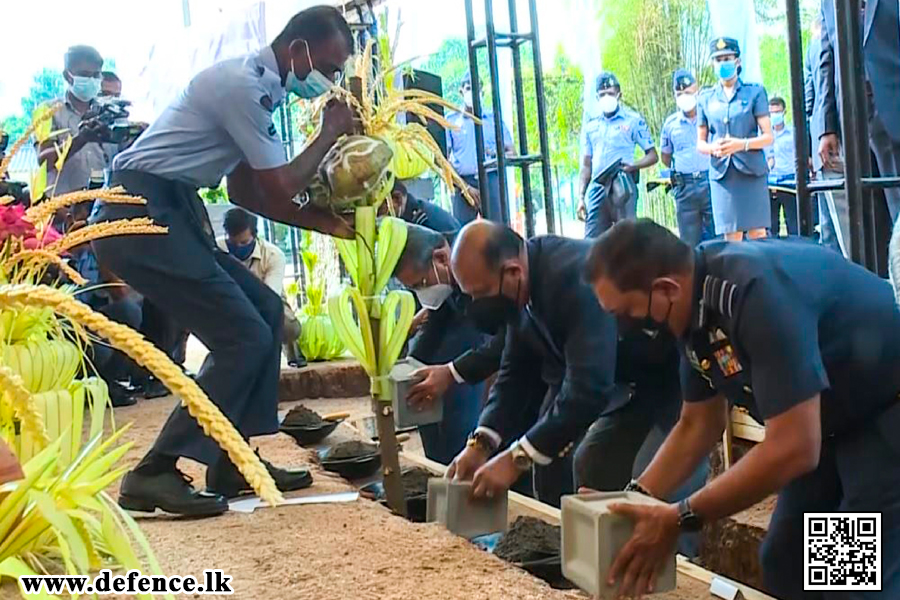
(645, 42)
(564, 104)
(48, 85)
(451, 63)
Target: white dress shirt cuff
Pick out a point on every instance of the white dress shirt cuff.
(493, 435)
(536, 456)
(456, 374)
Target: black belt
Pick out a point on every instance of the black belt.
(683, 177)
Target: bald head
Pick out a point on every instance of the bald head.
(487, 258)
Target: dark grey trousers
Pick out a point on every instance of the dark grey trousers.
(213, 295)
(693, 210)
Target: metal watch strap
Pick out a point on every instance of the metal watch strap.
(634, 486)
(483, 442)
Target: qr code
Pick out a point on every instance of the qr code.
(843, 552)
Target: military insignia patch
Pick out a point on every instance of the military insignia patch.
(721, 44)
(728, 362)
(685, 81)
(717, 336)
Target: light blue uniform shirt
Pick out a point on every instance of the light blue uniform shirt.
(223, 117)
(679, 138)
(734, 117)
(461, 142)
(783, 152)
(608, 139)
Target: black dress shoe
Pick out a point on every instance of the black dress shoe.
(152, 389)
(226, 480)
(171, 492)
(119, 396)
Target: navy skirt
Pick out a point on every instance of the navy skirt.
(740, 202)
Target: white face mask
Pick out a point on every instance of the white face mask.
(434, 296)
(686, 102)
(467, 98)
(608, 104)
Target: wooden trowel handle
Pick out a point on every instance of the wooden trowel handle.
(336, 416)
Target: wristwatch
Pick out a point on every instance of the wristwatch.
(688, 520)
(521, 458)
(482, 442)
(634, 486)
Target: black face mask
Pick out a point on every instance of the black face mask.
(493, 312)
(650, 326)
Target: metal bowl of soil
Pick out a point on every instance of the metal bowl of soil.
(352, 460)
(533, 545)
(415, 492)
(308, 427)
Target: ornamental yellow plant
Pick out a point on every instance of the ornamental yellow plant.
(59, 517)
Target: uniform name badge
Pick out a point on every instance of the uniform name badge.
(728, 362)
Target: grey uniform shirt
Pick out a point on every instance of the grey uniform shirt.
(78, 167)
(223, 117)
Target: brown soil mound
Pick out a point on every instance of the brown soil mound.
(351, 449)
(300, 416)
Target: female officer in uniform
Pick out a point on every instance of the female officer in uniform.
(733, 129)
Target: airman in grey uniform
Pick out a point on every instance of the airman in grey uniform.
(222, 124)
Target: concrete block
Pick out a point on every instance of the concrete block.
(592, 537)
(450, 503)
(404, 414)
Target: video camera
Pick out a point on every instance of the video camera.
(16, 189)
(112, 115)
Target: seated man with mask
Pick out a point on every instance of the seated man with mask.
(446, 334)
(597, 411)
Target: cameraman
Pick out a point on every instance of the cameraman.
(83, 65)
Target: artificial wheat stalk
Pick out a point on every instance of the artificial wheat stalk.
(42, 257)
(40, 212)
(4, 164)
(28, 414)
(98, 231)
(208, 416)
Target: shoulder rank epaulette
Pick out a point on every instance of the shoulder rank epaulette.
(718, 295)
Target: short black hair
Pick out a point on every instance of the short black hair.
(421, 243)
(778, 101)
(399, 187)
(502, 244)
(632, 253)
(315, 24)
(78, 54)
(238, 220)
(110, 76)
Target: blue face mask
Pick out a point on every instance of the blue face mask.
(777, 119)
(85, 88)
(314, 85)
(726, 69)
(241, 253)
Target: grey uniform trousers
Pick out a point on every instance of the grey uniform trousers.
(213, 295)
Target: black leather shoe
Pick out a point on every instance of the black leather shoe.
(120, 397)
(226, 480)
(152, 389)
(170, 492)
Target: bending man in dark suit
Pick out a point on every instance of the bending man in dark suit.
(556, 331)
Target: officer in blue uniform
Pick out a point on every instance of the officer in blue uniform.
(608, 137)
(222, 124)
(690, 168)
(809, 343)
(464, 158)
(418, 212)
(734, 128)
